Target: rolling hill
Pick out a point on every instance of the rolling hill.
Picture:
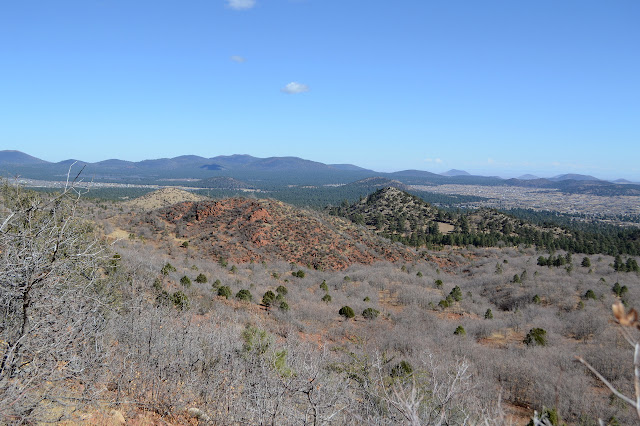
(406, 218)
(243, 230)
(572, 176)
(455, 172)
(12, 157)
(403, 217)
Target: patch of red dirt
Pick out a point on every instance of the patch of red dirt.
(244, 230)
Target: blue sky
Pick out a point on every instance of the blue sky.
(491, 87)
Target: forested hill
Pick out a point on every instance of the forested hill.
(403, 217)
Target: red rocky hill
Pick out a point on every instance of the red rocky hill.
(243, 230)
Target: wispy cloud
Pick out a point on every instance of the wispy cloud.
(238, 59)
(241, 4)
(433, 160)
(294, 88)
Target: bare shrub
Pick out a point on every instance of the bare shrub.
(52, 302)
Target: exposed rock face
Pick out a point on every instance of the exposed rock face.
(243, 230)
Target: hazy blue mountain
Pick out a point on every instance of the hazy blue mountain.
(349, 167)
(584, 186)
(572, 176)
(68, 162)
(285, 164)
(234, 160)
(71, 162)
(166, 163)
(17, 157)
(189, 159)
(416, 173)
(280, 173)
(455, 172)
(174, 163)
(115, 163)
(527, 177)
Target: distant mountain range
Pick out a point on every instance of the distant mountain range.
(271, 172)
(185, 167)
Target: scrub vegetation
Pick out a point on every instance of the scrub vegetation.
(104, 309)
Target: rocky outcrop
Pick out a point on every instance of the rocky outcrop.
(244, 230)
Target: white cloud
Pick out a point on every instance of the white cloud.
(241, 4)
(238, 59)
(434, 160)
(294, 87)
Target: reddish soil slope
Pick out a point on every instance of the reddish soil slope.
(242, 230)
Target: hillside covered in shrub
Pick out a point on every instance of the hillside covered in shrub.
(405, 218)
(155, 327)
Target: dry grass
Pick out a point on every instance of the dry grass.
(503, 338)
(445, 228)
(118, 234)
(163, 198)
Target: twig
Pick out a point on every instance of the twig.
(606, 382)
(6, 221)
(636, 362)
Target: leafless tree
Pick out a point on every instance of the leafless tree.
(52, 302)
